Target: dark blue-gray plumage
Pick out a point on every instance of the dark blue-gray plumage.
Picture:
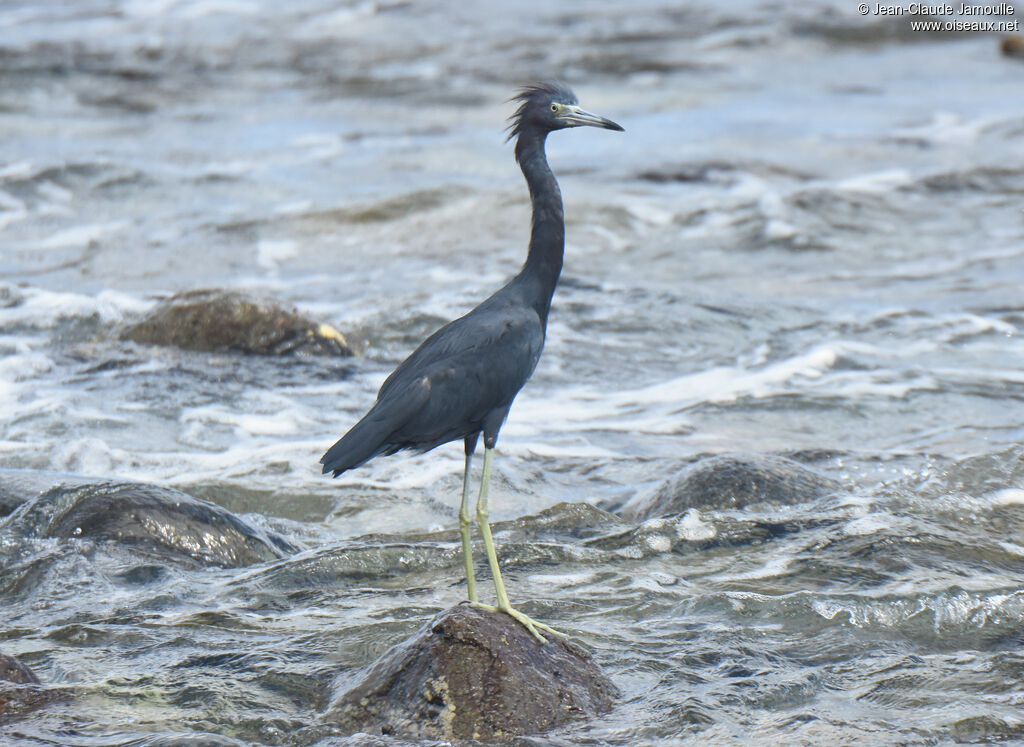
(461, 381)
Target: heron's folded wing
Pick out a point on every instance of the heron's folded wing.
(371, 435)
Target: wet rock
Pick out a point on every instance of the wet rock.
(214, 320)
(20, 690)
(160, 520)
(13, 671)
(985, 729)
(473, 674)
(731, 481)
(693, 532)
(565, 521)
(19, 486)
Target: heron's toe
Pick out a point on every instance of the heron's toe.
(525, 620)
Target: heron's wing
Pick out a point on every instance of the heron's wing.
(467, 370)
(500, 344)
(468, 385)
(372, 435)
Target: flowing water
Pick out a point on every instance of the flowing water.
(809, 241)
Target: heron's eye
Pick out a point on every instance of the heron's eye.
(554, 107)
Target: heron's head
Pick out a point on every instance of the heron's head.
(545, 107)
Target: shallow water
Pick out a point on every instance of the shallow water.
(808, 241)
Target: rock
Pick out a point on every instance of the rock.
(13, 671)
(731, 481)
(1012, 46)
(693, 532)
(214, 320)
(473, 674)
(20, 690)
(19, 486)
(168, 522)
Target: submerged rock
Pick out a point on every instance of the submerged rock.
(731, 481)
(162, 520)
(473, 674)
(214, 320)
(20, 690)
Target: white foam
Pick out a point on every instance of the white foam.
(662, 408)
(658, 542)
(649, 213)
(238, 462)
(1006, 497)
(287, 422)
(44, 308)
(204, 8)
(564, 580)
(23, 367)
(9, 202)
(270, 254)
(341, 20)
(948, 128)
(226, 169)
(777, 566)
(55, 192)
(1012, 548)
(877, 181)
(649, 583)
(147, 8)
(320, 145)
(293, 208)
(779, 230)
(1006, 375)
(754, 187)
(79, 235)
(693, 528)
(17, 171)
(88, 456)
(639, 409)
(576, 450)
(869, 524)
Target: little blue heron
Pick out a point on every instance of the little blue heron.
(461, 381)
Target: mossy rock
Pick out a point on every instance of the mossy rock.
(215, 320)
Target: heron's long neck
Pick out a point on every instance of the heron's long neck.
(539, 275)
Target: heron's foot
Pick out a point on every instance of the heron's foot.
(527, 622)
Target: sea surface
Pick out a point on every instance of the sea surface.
(808, 242)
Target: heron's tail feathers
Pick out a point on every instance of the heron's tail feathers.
(374, 434)
(349, 452)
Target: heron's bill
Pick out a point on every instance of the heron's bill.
(576, 117)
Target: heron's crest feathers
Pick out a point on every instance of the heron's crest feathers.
(531, 94)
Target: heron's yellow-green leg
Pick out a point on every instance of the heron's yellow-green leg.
(465, 525)
(492, 559)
